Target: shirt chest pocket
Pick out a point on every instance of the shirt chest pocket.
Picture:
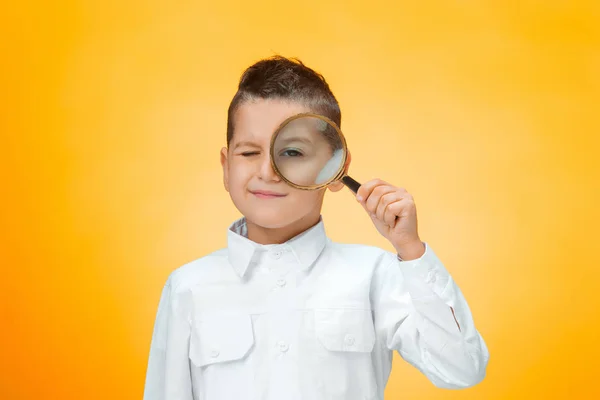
(345, 340)
(220, 353)
(221, 339)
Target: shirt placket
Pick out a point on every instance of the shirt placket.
(283, 321)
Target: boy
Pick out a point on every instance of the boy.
(285, 313)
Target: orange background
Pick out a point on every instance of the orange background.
(113, 113)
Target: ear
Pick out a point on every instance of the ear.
(225, 165)
(335, 186)
(338, 185)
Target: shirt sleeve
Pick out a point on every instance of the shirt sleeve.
(413, 302)
(168, 372)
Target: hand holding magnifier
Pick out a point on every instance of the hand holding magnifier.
(308, 151)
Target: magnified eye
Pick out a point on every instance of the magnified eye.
(291, 153)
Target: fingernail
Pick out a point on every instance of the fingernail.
(359, 197)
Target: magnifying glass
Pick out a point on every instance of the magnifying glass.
(309, 152)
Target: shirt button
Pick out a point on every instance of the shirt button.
(214, 353)
(430, 277)
(283, 347)
(281, 282)
(349, 340)
(276, 254)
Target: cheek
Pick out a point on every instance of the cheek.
(238, 174)
(308, 198)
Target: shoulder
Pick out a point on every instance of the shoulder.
(194, 272)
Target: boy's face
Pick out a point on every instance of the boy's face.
(256, 190)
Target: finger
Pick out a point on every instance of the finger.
(393, 212)
(366, 188)
(374, 198)
(386, 200)
(397, 210)
(400, 209)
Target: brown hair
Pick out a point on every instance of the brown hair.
(285, 79)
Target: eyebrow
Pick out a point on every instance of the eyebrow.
(245, 143)
(298, 139)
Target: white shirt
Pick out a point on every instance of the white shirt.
(309, 319)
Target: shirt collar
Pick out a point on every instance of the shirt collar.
(306, 246)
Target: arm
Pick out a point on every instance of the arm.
(420, 312)
(168, 373)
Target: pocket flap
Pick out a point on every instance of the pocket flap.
(217, 339)
(345, 330)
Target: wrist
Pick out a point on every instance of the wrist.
(411, 251)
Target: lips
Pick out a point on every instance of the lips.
(267, 194)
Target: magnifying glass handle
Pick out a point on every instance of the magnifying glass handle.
(351, 183)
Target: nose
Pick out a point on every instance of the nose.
(266, 172)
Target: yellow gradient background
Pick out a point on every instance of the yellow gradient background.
(113, 114)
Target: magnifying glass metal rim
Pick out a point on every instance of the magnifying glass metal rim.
(338, 175)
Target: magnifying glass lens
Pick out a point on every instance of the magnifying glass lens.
(308, 151)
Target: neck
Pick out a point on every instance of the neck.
(262, 235)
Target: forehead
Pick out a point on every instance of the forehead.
(257, 120)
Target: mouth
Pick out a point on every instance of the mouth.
(267, 194)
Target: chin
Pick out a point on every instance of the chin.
(274, 216)
(277, 217)
(270, 219)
